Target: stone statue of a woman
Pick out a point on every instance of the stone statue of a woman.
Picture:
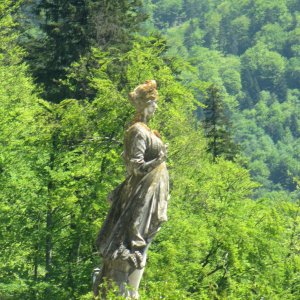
(139, 204)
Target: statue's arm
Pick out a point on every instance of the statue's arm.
(152, 164)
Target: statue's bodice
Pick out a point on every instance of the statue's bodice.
(141, 145)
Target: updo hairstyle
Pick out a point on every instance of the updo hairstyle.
(142, 94)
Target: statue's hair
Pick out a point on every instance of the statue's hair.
(143, 93)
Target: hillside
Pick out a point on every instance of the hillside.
(250, 50)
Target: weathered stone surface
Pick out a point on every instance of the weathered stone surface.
(139, 204)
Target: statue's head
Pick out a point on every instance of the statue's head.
(144, 98)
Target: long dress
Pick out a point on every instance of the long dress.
(139, 204)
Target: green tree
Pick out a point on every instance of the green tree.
(217, 126)
(168, 12)
(273, 36)
(263, 70)
(293, 72)
(69, 30)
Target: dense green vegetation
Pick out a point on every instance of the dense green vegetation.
(227, 71)
(250, 50)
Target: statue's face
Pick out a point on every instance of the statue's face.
(150, 109)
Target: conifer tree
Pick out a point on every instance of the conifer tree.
(217, 126)
(68, 29)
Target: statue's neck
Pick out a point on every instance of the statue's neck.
(141, 118)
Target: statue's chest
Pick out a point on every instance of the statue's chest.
(154, 147)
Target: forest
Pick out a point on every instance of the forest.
(228, 75)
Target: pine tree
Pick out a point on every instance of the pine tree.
(217, 126)
(68, 29)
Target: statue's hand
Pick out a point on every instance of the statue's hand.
(162, 156)
(166, 148)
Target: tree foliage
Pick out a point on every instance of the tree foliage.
(63, 31)
(249, 49)
(60, 159)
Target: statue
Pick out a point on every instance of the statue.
(139, 204)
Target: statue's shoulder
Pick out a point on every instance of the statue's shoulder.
(138, 128)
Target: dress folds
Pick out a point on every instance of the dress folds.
(139, 204)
